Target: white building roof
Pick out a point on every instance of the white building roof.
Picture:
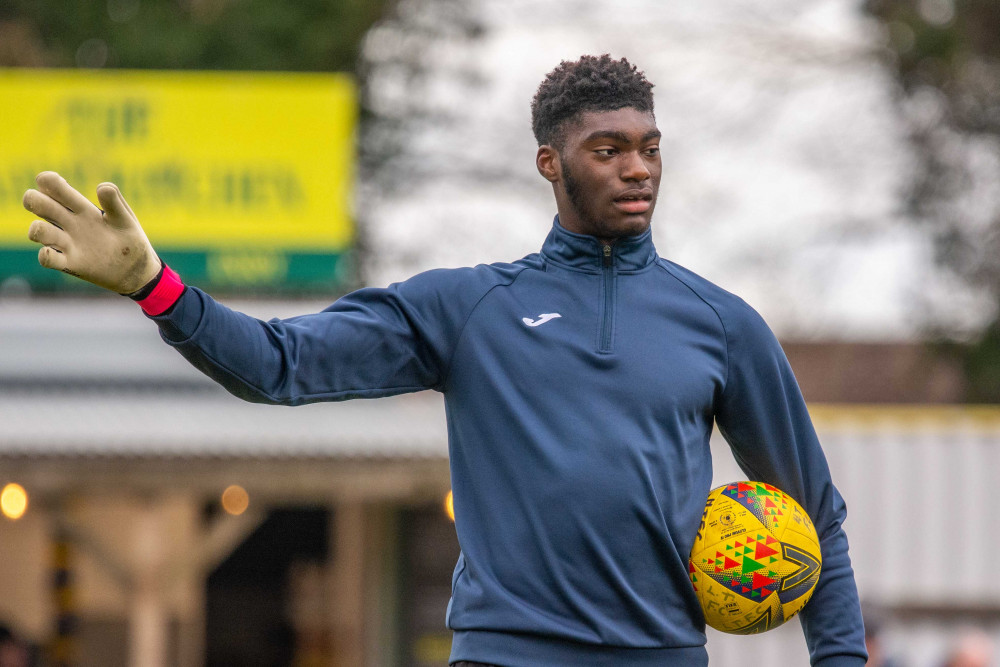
(90, 377)
(215, 424)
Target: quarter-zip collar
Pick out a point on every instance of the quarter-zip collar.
(581, 251)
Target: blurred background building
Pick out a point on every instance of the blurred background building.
(834, 162)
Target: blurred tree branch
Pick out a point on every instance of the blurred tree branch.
(946, 57)
(283, 35)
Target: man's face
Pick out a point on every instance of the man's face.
(607, 175)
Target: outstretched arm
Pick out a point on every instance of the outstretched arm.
(373, 342)
(370, 343)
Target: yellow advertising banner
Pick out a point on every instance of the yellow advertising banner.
(212, 162)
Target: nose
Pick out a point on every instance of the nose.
(634, 167)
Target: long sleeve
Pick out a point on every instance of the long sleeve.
(370, 343)
(763, 416)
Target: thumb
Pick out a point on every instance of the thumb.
(116, 209)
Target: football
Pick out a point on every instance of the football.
(756, 558)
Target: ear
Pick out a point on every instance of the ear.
(548, 164)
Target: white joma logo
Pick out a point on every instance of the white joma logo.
(542, 319)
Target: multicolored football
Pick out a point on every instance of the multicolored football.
(756, 558)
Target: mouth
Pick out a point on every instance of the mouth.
(634, 201)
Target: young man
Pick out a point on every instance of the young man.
(581, 385)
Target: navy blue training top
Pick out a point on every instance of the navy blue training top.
(581, 385)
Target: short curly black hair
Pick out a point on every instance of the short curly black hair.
(592, 83)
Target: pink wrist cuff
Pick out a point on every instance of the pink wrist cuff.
(166, 293)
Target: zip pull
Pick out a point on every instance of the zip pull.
(607, 255)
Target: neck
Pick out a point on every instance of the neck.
(572, 225)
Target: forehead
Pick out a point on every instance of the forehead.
(627, 121)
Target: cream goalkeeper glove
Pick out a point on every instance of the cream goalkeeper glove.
(107, 248)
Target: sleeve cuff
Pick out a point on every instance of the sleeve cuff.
(160, 293)
(841, 661)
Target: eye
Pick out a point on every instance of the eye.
(652, 151)
(606, 152)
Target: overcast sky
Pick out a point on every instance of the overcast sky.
(784, 157)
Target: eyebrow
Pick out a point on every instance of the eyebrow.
(616, 135)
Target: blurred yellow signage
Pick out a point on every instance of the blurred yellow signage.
(242, 163)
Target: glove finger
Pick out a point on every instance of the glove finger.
(51, 258)
(116, 209)
(48, 234)
(56, 187)
(48, 208)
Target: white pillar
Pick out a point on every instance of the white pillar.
(347, 585)
(148, 606)
(188, 582)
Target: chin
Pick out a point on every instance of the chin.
(628, 227)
